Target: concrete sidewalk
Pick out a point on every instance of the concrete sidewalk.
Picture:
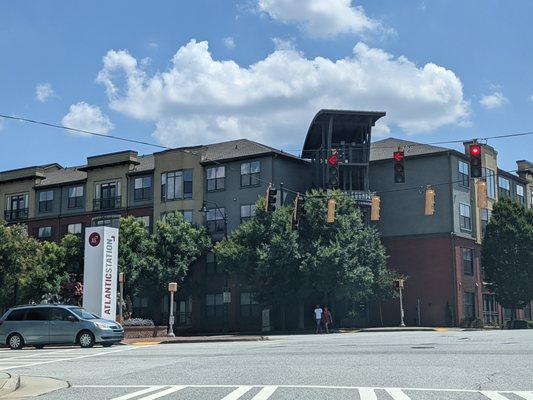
(195, 339)
(8, 384)
(404, 329)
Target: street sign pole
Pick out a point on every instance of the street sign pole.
(172, 288)
(121, 297)
(401, 305)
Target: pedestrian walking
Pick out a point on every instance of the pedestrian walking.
(318, 319)
(327, 319)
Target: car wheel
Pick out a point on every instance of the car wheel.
(15, 342)
(39, 346)
(107, 344)
(86, 339)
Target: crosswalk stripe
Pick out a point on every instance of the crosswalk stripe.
(397, 394)
(237, 393)
(525, 395)
(493, 395)
(265, 393)
(367, 394)
(162, 393)
(139, 393)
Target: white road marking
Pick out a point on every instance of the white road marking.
(162, 393)
(237, 393)
(265, 393)
(397, 394)
(525, 395)
(139, 393)
(367, 394)
(492, 395)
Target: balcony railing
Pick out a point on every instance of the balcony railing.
(107, 203)
(16, 215)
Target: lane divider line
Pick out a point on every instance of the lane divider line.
(492, 395)
(397, 394)
(265, 393)
(237, 393)
(367, 394)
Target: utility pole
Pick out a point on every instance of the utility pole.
(398, 283)
(121, 297)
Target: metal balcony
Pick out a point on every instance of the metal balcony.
(16, 215)
(107, 203)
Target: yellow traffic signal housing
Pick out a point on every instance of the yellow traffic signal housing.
(331, 211)
(481, 193)
(374, 210)
(430, 201)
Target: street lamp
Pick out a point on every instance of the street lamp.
(226, 296)
(398, 283)
(172, 288)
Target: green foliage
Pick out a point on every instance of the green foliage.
(332, 261)
(507, 253)
(74, 253)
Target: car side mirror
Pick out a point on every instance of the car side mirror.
(72, 318)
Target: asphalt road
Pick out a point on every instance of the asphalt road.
(452, 365)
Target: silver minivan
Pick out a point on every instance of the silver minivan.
(45, 324)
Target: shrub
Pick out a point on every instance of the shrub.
(138, 322)
(472, 322)
(530, 324)
(517, 324)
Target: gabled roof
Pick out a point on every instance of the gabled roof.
(241, 148)
(383, 149)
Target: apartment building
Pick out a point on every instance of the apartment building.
(440, 254)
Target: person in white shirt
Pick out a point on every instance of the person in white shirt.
(318, 318)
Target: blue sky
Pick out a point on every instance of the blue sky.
(181, 73)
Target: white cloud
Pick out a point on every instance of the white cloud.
(494, 100)
(88, 118)
(229, 42)
(323, 18)
(43, 91)
(200, 100)
(531, 98)
(153, 45)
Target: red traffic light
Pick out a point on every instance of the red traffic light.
(475, 150)
(398, 156)
(333, 160)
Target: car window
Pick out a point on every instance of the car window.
(59, 314)
(80, 312)
(37, 314)
(16, 315)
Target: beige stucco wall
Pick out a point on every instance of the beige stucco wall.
(18, 187)
(175, 160)
(107, 174)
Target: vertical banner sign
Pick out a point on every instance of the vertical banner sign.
(100, 272)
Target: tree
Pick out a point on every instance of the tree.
(263, 254)
(72, 245)
(507, 254)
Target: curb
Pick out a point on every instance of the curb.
(399, 329)
(185, 341)
(11, 385)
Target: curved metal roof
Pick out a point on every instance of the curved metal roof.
(346, 123)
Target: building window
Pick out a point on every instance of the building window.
(464, 174)
(74, 229)
(142, 188)
(249, 305)
(484, 216)
(468, 261)
(145, 220)
(46, 201)
(17, 207)
(527, 311)
(187, 215)
(469, 304)
(75, 197)
(216, 178)
(176, 185)
(504, 188)
(211, 265)
(214, 305)
(112, 222)
(520, 194)
(44, 232)
(247, 212)
(489, 177)
(107, 196)
(216, 220)
(490, 310)
(250, 173)
(184, 309)
(465, 220)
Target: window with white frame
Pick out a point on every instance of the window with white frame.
(247, 212)
(464, 174)
(74, 229)
(142, 188)
(112, 222)
(44, 232)
(465, 219)
(520, 194)
(214, 305)
(176, 185)
(216, 178)
(250, 173)
(75, 197)
(145, 219)
(46, 201)
(216, 220)
(489, 176)
(469, 304)
(468, 261)
(484, 216)
(504, 186)
(16, 207)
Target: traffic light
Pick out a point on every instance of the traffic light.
(331, 211)
(298, 211)
(333, 169)
(430, 201)
(374, 210)
(476, 170)
(399, 167)
(270, 204)
(481, 193)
